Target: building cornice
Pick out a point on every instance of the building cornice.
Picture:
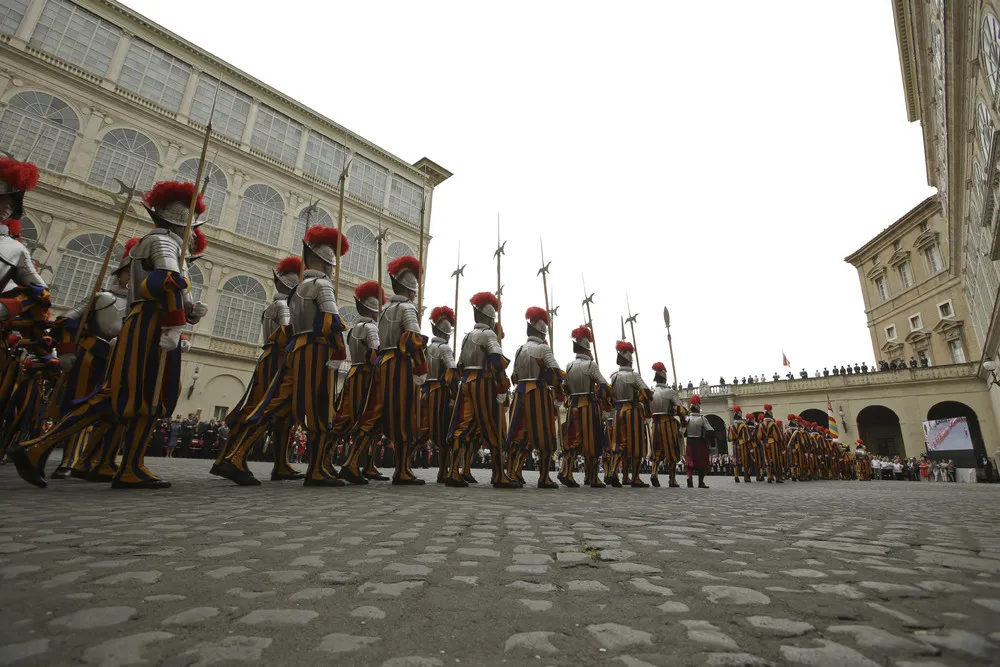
(907, 61)
(919, 213)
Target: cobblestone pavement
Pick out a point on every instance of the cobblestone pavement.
(824, 573)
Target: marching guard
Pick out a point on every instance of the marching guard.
(590, 398)
(770, 438)
(739, 435)
(666, 442)
(696, 452)
(539, 388)
(438, 393)
(628, 428)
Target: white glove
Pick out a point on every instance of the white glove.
(198, 310)
(66, 361)
(170, 338)
(333, 365)
(185, 345)
(502, 398)
(419, 380)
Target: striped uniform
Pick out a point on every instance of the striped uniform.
(533, 416)
(770, 439)
(437, 395)
(589, 398)
(666, 431)
(628, 426)
(363, 344)
(739, 435)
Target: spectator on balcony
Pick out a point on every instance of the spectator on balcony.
(817, 373)
(836, 371)
(804, 374)
(744, 379)
(913, 362)
(826, 372)
(776, 377)
(925, 362)
(789, 375)
(883, 365)
(690, 385)
(864, 367)
(849, 371)
(857, 367)
(736, 380)
(843, 371)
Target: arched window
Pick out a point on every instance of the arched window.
(260, 214)
(348, 315)
(395, 249)
(79, 265)
(40, 128)
(215, 192)
(240, 306)
(29, 233)
(318, 217)
(979, 181)
(991, 50)
(985, 127)
(361, 259)
(197, 280)
(125, 154)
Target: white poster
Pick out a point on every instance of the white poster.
(947, 434)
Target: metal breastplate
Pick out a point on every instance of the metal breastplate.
(275, 316)
(390, 325)
(528, 362)
(624, 386)
(302, 307)
(696, 427)
(106, 316)
(474, 349)
(663, 401)
(357, 342)
(16, 264)
(158, 250)
(435, 355)
(578, 377)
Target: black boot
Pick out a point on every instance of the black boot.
(690, 483)
(26, 469)
(351, 477)
(701, 482)
(655, 481)
(234, 474)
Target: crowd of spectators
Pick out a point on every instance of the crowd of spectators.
(189, 437)
(856, 369)
(913, 469)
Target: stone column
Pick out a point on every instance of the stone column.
(192, 85)
(118, 60)
(5, 79)
(231, 209)
(86, 144)
(300, 158)
(251, 121)
(28, 23)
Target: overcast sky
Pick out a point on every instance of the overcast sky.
(717, 158)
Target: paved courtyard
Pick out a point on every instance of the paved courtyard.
(206, 573)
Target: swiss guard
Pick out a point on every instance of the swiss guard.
(438, 393)
(696, 456)
(739, 435)
(589, 398)
(667, 410)
(628, 428)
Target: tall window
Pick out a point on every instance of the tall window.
(991, 50)
(890, 332)
(276, 135)
(905, 275)
(124, 154)
(406, 199)
(395, 249)
(324, 158)
(933, 255)
(985, 129)
(155, 75)
(197, 280)
(957, 351)
(348, 314)
(79, 266)
(73, 34)
(29, 233)
(260, 215)
(881, 288)
(39, 124)
(241, 305)
(232, 109)
(979, 181)
(368, 180)
(11, 13)
(364, 251)
(318, 217)
(215, 192)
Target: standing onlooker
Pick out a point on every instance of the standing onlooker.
(187, 433)
(925, 470)
(173, 436)
(897, 469)
(210, 439)
(950, 467)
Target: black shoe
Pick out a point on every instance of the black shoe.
(508, 484)
(736, 479)
(407, 481)
(60, 473)
(456, 483)
(287, 476)
(607, 480)
(376, 477)
(322, 481)
(746, 479)
(570, 483)
(598, 484)
(242, 477)
(147, 484)
(655, 481)
(26, 469)
(770, 481)
(702, 485)
(690, 483)
(674, 485)
(469, 478)
(561, 478)
(615, 482)
(351, 477)
(639, 484)
(547, 484)
(214, 470)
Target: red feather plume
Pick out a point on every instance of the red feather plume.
(13, 227)
(624, 346)
(768, 407)
(404, 263)
(696, 400)
(859, 442)
(582, 332)
(200, 243)
(443, 312)
(483, 299)
(320, 235)
(535, 313)
(737, 408)
(131, 243)
(658, 367)
(369, 290)
(168, 192)
(793, 418)
(289, 265)
(18, 175)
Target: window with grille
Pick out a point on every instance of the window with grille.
(232, 109)
(348, 315)
(957, 351)
(261, 212)
(991, 50)
(29, 233)
(324, 159)
(318, 217)
(890, 332)
(276, 135)
(214, 194)
(395, 250)
(905, 275)
(241, 304)
(361, 260)
(11, 13)
(882, 289)
(155, 75)
(197, 282)
(933, 255)
(39, 128)
(77, 36)
(367, 180)
(979, 181)
(985, 129)
(125, 154)
(945, 309)
(406, 199)
(79, 265)
(916, 322)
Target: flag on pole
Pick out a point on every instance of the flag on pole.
(832, 419)
(785, 361)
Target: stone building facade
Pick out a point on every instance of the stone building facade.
(93, 92)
